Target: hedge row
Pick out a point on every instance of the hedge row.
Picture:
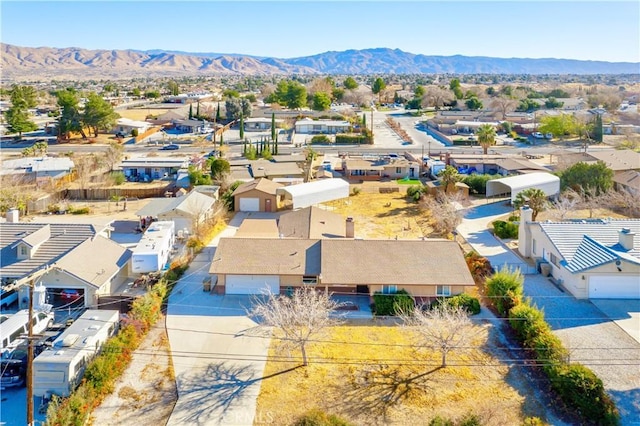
(504, 229)
(469, 303)
(353, 139)
(578, 387)
(392, 304)
(103, 372)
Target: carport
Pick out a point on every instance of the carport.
(546, 182)
(312, 193)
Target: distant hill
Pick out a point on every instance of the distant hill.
(72, 62)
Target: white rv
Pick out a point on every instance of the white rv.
(152, 252)
(58, 370)
(15, 328)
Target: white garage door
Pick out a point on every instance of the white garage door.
(252, 284)
(249, 204)
(614, 287)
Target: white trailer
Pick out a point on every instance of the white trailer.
(152, 252)
(58, 370)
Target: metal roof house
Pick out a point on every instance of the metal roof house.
(548, 183)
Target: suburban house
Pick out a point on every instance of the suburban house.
(594, 259)
(256, 124)
(167, 118)
(268, 169)
(38, 169)
(425, 268)
(187, 212)
(628, 180)
(125, 126)
(257, 196)
(191, 126)
(492, 164)
(187, 98)
(307, 125)
(363, 169)
(78, 257)
(149, 168)
(310, 222)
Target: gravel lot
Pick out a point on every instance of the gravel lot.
(595, 341)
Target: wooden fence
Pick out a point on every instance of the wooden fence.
(108, 193)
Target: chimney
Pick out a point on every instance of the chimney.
(524, 232)
(625, 238)
(13, 216)
(350, 228)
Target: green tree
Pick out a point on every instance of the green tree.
(559, 125)
(173, 88)
(378, 87)
(136, 92)
(448, 177)
(454, 85)
(486, 137)
(152, 94)
(597, 129)
(98, 114)
(237, 107)
(190, 111)
(230, 93)
(196, 177)
(527, 105)
(241, 126)
(321, 101)
(219, 167)
(473, 103)
(505, 289)
(535, 198)
(588, 179)
(552, 103)
(290, 93)
(18, 117)
(419, 92)
(350, 83)
(273, 126)
(217, 120)
(70, 119)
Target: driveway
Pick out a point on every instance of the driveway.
(218, 369)
(595, 337)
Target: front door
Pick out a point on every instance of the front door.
(267, 205)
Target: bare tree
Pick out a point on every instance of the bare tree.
(113, 155)
(444, 328)
(437, 97)
(303, 316)
(624, 200)
(567, 202)
(445, 212)
(84, 168)
(504, 104)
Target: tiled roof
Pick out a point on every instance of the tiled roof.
(567, 236)
(590, 254)
(64, 238)
(38, 237)
(263, 185)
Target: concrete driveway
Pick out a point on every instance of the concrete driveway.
(217, 367)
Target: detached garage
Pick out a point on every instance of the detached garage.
(614, 287)
(257, 196)
(548, 183)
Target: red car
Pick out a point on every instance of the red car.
(70, 295)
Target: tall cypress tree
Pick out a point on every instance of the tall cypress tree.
(275, 149)
(198, 110)
(218, 113)
(364, 121)
(241, 126)
(221, 139)
(273, 126)
(190, 111)
(597, 131)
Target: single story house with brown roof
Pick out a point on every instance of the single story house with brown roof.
(257, 196)
(425, 268)
(372, 170)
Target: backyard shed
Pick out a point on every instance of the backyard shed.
(548, 183)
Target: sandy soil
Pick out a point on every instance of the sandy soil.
(147, 390)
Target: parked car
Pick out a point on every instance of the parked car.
(214, 153)
(70, 294)
(537, 135)
(13, 366)
(170, 147)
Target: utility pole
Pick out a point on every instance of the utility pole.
(30, 358)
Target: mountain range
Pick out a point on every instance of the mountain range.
(72, 62)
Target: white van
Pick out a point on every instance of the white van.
(16, 327)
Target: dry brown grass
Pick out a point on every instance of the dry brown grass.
(372, 375)
(384, 215)
(140, 114)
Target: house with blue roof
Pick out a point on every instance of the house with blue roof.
(592, 258)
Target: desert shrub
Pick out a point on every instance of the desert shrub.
(504, 229)
(469, 303)
(478, 182)
(504, 288)
(392, 304)
(356, 190)
(533, 421)
(470, 419)
(415, 192)
(359, 139)
(479, 266)
(53, 208)
(441, 421)
(582, 390)
(320, 418)
(134, 132)
(81, 210)
(320, 139)
(118, 178)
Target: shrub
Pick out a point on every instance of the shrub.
(134, 132)
(53, 208)
(356, 190)
(533, 421)
(526, 320)
(118, 178)
(320, 139)
(479, 266)
(469, 303)
(478, 182)
(415, 192)
(81, 210)
(504, 288)
(393, 304)
(440, 421)
(470, 419)
(581, 389)
(353, 139)
(504, 229)
(320, 418)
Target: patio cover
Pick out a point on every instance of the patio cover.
(312, 193)
(548, 183)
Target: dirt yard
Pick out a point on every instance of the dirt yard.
(373, 376)
(383, 216)
(147, 392)
(140, 114)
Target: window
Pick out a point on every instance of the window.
(533, 246)
(553, 259)
(389, 289)
(443, 290)
(309, 280)
(398, 170)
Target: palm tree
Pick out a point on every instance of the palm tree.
(486, 136)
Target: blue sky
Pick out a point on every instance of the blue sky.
(592, 30)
